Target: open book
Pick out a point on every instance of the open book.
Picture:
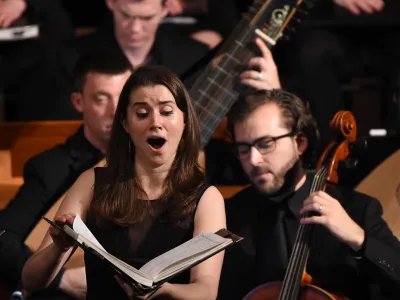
(160, 269)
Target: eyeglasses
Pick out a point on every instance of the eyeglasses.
(263, 145)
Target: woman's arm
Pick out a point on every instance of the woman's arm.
(204, 278)
(43, 266)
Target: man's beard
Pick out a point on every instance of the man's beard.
(283, 182)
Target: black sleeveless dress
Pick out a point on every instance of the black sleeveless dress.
(135, 244)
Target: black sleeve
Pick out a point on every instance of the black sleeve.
(380, 255)
(41, 189)
(27, 205)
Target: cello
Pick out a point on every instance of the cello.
(297, 283)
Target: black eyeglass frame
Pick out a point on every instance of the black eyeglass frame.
(255, 142)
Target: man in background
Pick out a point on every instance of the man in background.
(133, 32)
(98, 81)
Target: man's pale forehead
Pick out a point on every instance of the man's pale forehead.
(140, 1)
(151, 6)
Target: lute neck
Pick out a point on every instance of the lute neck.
(216, 90)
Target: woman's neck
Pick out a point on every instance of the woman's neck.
(152, 180)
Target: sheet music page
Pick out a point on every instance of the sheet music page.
(136, 275)
(80, 227)
(199, 244)
(183, 264)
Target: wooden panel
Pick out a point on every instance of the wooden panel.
(5, 164)
(383, 183)
(26, 139)
(228, 191)
(8, 188)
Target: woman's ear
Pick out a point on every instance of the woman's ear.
(125, 125)
(302, 143)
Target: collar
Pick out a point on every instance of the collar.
(291, 201)
(295, 202)
(157, 56)
(81, 150)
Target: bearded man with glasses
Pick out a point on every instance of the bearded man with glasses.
(275, 138)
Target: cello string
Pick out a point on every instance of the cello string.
(291, 272)
(301, 249)
(304, 250)
(302, 254)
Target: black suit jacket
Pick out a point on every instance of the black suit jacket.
(47, 177)
(375, 275)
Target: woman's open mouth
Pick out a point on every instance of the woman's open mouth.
(156, 143)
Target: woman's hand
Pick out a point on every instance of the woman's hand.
(131, 294)
(61, 239)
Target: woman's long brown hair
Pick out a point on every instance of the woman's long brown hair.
(116, 199)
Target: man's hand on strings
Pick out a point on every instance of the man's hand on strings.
(10, 10)
(358, 6)
(131, 293)
(60, 238)
(332, 215)
(266, 77)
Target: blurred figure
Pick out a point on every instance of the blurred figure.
(340, 40)
(98, 80)
(134, 33)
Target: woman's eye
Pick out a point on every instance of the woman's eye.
(142, 115)
(167, 112)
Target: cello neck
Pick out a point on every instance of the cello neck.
(298, 258)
